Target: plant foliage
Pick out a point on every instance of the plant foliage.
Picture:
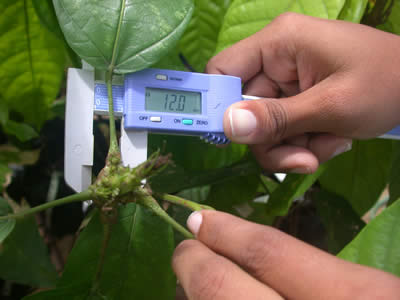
(123, 35)
(124, 246)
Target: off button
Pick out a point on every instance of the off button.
(155, 119)
(187, 122)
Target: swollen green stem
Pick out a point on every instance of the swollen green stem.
(82, 196)
(152, 204)
(183, 202)
(113, 132)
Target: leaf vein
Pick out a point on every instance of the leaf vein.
(28, 42)
(155, 44)
(88, 37)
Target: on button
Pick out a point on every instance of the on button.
(187, 122)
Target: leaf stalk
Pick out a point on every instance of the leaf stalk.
(113, 132)
(146, 200)
(193, 206)
(82, 196)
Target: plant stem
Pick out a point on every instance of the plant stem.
(265, 187)
(379, 14)
(152, 204)
(82, 196)
(113, 132)
(184, 202)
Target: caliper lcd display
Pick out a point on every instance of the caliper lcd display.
(173, 101)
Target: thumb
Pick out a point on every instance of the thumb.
(269, 121)
(290, 267)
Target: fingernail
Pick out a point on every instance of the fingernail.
(341, 149)
(194, 222)
(301, 170)
(242, 122)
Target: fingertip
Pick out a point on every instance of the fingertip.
(286, 158)
(197, 220)
(181, 249)
(227, 123)
(328, 146)
(240, 124)
(194, 222)
(304, 164)
(308, 169)
(186, 259)
(342, 148)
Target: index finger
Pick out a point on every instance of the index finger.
(292, 268)
(243, 60)
(205, 275)
(270, 50)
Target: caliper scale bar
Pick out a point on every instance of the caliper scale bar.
(82, 102)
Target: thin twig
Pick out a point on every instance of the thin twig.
(146, 200)
(52, 194)
(82, 196)
(113, 131)
(379, 13)
(183, 202)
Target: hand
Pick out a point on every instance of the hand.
(335, 80)
(235, 259)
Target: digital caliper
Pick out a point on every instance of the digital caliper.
(173, 102)
(151, 100)
(154, 100)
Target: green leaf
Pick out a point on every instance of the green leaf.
(393, 22)
(378, 243)
(24, 256)
(22, 131)
(353, 10)
(258, 214)
(184, 149)
(31, 62)
(7, 156)
(138, 259)
(72, 292)
(268, 185)
(341, 222)
(47, 15)
(394, 178)
(361, 174)
(245, 17)
(123, 35)
(230, 194)
(199, 41)
(293, 187)
(4, 170)
(3, 112)
(171, 61)
(175, 179)
(198, 194)
(45, 11)
(6, 226)
(11, 154)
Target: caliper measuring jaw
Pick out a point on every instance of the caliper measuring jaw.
(79, 139)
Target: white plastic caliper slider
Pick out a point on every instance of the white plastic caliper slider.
(79, 129)
(79, 140)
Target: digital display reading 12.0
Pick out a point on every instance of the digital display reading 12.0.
(173, 101)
